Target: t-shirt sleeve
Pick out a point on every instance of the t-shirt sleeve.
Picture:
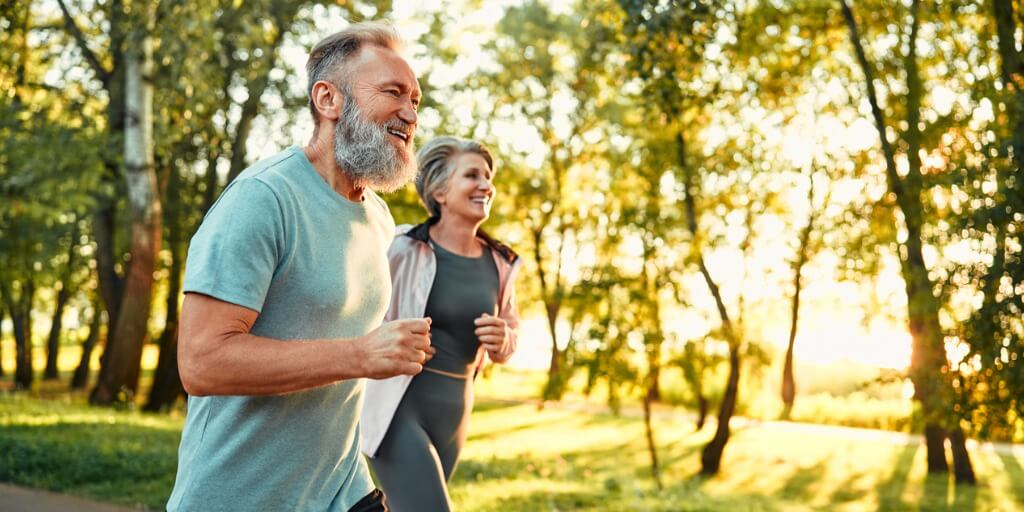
(234, 254)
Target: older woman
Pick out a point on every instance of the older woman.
(450, 271)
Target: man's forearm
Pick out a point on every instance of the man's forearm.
(245, 364)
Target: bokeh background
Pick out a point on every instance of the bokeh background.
(773, 248)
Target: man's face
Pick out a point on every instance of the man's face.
(374, 135)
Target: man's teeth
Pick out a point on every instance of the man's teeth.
(401, 135)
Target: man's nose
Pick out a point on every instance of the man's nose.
(408, 114)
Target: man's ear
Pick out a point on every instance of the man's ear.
(328, 100)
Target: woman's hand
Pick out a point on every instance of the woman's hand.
(494, 335)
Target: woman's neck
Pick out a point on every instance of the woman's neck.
(457, 236)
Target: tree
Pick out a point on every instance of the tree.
(42, 191)
(554, 94)
(119, 373)
(989, 214)
(928, 362)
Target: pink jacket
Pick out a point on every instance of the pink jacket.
(413, 266)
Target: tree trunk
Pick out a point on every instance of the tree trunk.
(653, 386)
(554, 387)
(80, 379)
(167, 385)
(3, 315)
(928, 356)
(20, 309)
(702, 410)
(111, 285)
(53, 341)
(652, 447)
(120, 369)
(788, 382)
(962, 469)
(711, 456)
(934, 442)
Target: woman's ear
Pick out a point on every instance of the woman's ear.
(438, 196)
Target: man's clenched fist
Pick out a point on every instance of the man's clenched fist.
(400, 347)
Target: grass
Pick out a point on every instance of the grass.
(519, 457)
(522, 458)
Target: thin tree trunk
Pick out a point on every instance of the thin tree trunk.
(652, 447)
(120, 371)
(711, 455)
(702, 409)
(53, 341)
(653, 341)
(788, 382)
(554, 387)
(80, 379)
(3, 315)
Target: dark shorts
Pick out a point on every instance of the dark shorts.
(373, 502)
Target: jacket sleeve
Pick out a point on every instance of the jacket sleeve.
(398, 252)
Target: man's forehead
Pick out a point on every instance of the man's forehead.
(384, 65)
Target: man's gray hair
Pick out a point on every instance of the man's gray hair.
(327, 59)
(437, 163)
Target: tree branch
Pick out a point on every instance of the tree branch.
(895, 183)
(69, 22)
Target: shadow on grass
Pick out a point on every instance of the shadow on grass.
(965, 497)
(1016, 474)
(890, 491)
(488, 405)
(848, 490)
(498, 433)
(798, 485)
(127, 464)
(936, 495)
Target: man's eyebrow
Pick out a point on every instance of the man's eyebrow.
(402, 86)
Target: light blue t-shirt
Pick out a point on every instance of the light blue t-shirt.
(281, 242)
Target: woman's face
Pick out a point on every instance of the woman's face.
(469, 191)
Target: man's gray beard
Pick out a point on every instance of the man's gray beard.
(363, 152)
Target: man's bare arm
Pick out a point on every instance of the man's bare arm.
(218, 356)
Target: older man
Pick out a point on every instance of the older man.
(286, 286)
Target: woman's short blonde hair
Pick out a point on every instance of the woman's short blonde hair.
(437, 163)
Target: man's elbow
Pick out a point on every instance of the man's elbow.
(193, 381)
(195, 374)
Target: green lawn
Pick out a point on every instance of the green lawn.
(521, 458)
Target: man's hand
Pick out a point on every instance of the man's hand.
(494, 335)
(400, 347)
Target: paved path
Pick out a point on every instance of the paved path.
(21, 499)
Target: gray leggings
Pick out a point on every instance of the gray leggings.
(422, 445)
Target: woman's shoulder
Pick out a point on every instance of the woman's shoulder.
(495, 245)
(405, 241)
